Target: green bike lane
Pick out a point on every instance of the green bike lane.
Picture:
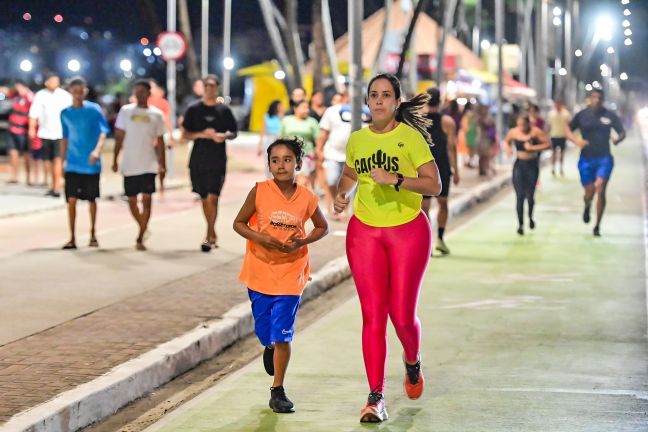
(545, 332)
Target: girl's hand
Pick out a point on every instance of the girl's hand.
(383, 177)
(292, 244)
(270, 242)
(341, 202)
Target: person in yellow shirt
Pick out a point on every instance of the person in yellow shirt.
(275, 266)
(389, 239)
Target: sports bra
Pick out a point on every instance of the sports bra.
(519, 144)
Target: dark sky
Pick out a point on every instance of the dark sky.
(124, 19)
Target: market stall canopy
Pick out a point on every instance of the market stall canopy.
(425, 41)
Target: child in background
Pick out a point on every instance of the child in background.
(275, 266)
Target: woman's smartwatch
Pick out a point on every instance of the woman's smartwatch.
(399, 182)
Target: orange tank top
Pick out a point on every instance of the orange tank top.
(270, 271)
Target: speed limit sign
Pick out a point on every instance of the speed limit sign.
(172, 45)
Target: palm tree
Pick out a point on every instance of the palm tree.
(318, 43)
(408, 39)
(185, 27)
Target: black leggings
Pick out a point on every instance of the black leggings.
(525, 178)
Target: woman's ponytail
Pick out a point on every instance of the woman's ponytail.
(410, 112)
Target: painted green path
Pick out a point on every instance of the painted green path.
(545, 332)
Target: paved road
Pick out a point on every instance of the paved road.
(535, 333)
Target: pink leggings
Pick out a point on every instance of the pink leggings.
(388, 265)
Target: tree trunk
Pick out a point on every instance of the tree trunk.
(450, 7)
(291, 37)
(318, 44)
(275, 39)
(185, 26)
(408, 38)
(149, 16)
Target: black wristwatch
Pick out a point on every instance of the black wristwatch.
(399, 182)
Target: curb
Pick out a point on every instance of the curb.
(102, 397)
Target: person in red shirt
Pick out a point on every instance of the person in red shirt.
(18, 125)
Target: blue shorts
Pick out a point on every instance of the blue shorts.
(274, 316)
(591, 168)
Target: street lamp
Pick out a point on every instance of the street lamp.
(623, 76)
(557, 11)
(604, 26)
(578, 53)
(228, 63)
(625, 2)
(557, 21)
(627, 42)
(627, 12)
(280, 75)
(74, 65)
(588, 87)
(627, 32)
(157, 51)
(625, 23)
(26, 65)
(485, 44)
(126, 65)
(610, 50)
(147, 52)
(562, 72)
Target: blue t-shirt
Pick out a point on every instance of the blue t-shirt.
(596, 128)
(82, 127)
(272, 124)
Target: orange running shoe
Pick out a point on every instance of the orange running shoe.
(375, 410)
(414, 381)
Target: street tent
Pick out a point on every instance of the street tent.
(425, 40)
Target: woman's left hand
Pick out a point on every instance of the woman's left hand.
(383, 177)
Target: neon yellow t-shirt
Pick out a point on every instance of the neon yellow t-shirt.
(401, 150)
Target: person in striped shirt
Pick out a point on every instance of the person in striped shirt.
(18, 125)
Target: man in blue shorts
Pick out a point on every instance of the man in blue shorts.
(596, 162)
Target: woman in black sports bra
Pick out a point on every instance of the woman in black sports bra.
(528, 142)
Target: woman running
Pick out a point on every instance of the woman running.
(528, 142)
(389, 238)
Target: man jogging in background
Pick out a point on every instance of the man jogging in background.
(558, 124)
(208, 124)
(139, 129)
(45, 114)
(84, 129)
(596, 162)
(444, 149)
(18, 125)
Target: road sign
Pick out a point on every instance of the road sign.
(172, 45)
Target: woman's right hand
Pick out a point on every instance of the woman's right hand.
(341, 202)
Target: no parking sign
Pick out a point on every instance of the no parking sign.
(172, 45)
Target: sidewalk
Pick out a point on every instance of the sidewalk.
(19, 199)
(89, 367)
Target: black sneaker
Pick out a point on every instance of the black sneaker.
(268, 360)
(596, 231)
(520, 230)
(279, 402)
(532, 224)
(586, 214)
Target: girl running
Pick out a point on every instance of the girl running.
(528, 141)
(389, 238)
(275, 265)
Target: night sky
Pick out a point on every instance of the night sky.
(250, 44)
